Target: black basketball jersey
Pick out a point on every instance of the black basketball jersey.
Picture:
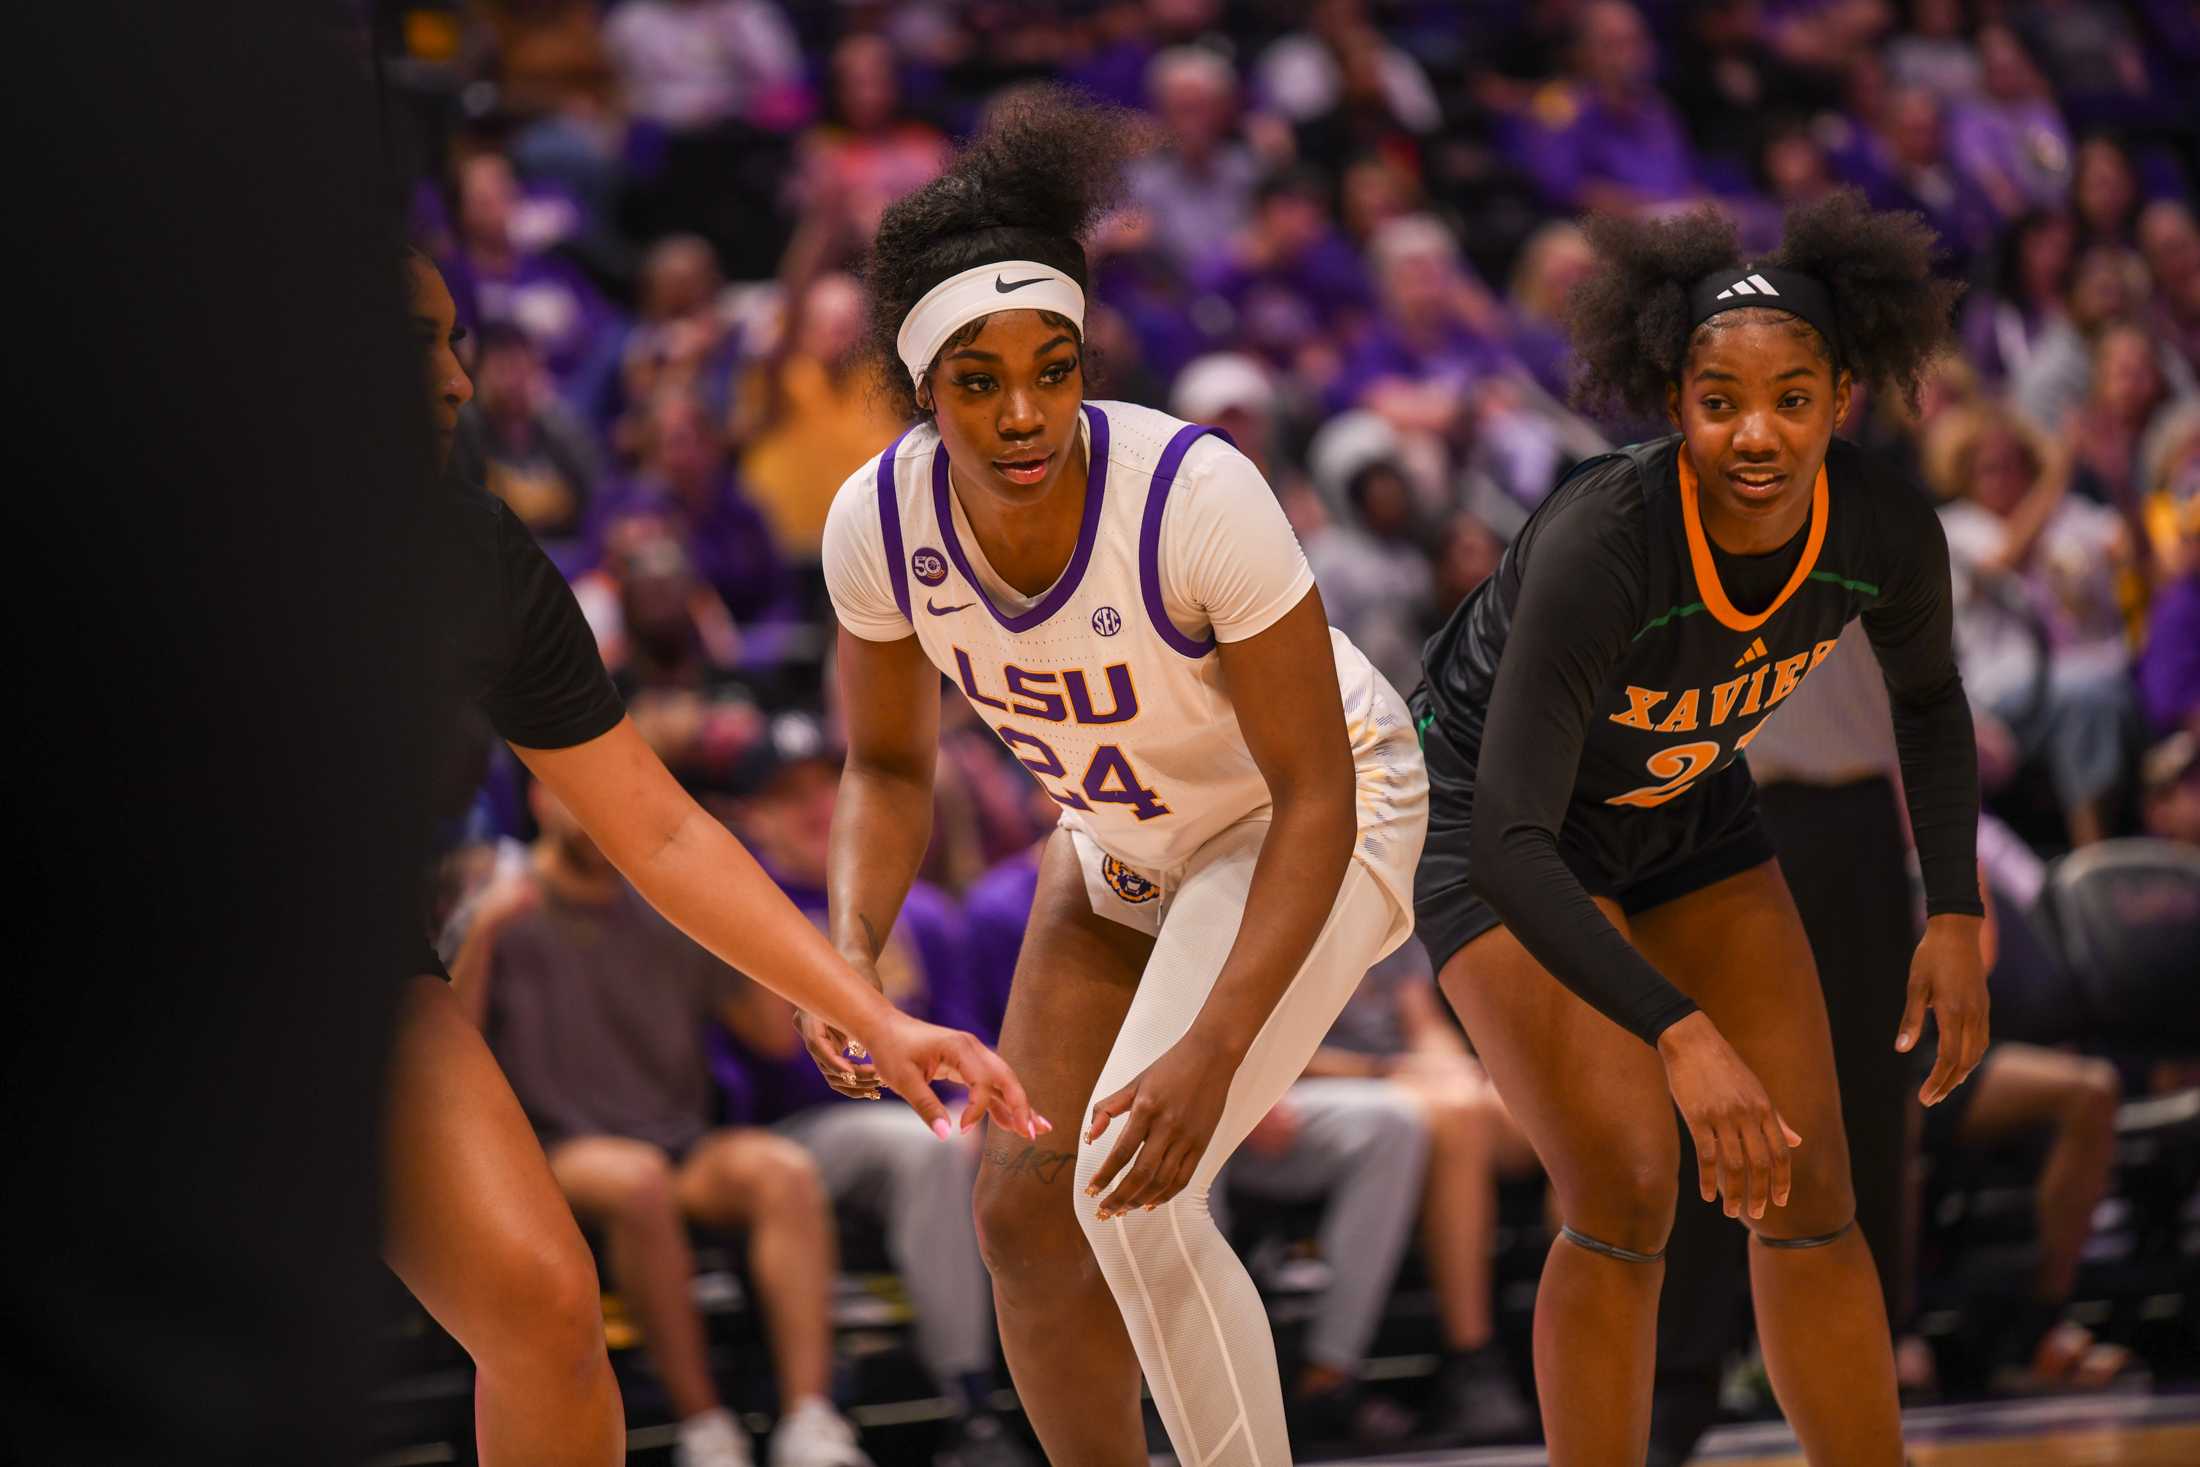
(1697, 674)
(1618, 657)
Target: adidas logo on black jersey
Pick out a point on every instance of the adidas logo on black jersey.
(1755, 651)
(1748, 285)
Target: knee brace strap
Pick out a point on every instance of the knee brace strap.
(1609, 1250)
(1818, 1242)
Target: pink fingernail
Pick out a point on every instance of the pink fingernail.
(1046, 1127)
(939, 1129)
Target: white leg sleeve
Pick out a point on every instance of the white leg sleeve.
(1193, 1313)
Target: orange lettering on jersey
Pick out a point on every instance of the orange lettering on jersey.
(1789, 673)
(1642, 702)
(1756, 689)
(1119, 687)
(1683, 716)
(1722, 699)
(970, 682)
(1037, 686)
(1820, 653)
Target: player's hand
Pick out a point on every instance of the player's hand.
(1169, 1115)
(852, 1074)
(1742, 1144)
(1947, 976)
(844, 1063)
(907, 1055)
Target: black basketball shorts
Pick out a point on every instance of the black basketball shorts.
(1639, 858)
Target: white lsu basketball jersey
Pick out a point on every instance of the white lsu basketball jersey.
(1118, 711)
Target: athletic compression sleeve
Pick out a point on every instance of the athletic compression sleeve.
(1577, 609)
(1911, 628)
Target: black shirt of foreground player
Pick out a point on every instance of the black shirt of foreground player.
(1640, 659)
(512, 637)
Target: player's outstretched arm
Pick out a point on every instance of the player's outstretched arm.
(705, 882)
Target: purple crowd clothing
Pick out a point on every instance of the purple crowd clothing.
(1572, 138)
(924, 952)
(1150, 297)
(1455, 355)
(552, 302)
(1192, 208)
(1951, 201)
(2169, 664)
(2025, 143)
(995, 914)
(1280, 306)
(728, 539)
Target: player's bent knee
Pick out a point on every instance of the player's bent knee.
(548, 1311)
(1629, 1208)
(1821, 1202)
(1027, 1230)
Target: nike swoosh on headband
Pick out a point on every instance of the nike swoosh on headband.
(1005, 286)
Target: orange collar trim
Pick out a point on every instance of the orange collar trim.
(1707, 572)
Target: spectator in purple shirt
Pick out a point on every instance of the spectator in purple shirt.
(684, 476)
(1293, 283)
(1556, 258)
(1198, 190)
(869, 1157)
(1903, 163)
(995, 912)
(2010, 139)
(520, 441)
(2169, 241)
(1607, 139)
(493, 278)
(2169, 660)
(1440, 333)
(2005, 323)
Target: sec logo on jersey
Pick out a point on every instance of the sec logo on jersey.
(1128, 884)
(928, 566)
(1107, 621)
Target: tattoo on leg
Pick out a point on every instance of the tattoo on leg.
(1041, 1165)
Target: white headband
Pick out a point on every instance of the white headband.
(1006, 285)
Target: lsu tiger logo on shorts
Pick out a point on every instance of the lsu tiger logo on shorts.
(1128, 884)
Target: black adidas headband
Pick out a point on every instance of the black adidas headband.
(1771, 287)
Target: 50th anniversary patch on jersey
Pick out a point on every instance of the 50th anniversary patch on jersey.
(1128, 884)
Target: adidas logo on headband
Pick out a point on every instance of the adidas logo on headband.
(1752, 285)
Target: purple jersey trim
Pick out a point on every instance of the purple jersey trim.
(1149, 539)
(1096, 488)
(889, 525)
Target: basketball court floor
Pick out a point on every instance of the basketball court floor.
(2113, 1431)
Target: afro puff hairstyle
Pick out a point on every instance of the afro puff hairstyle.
(1047, 165)
(1629, 320)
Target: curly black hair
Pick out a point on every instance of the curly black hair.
(1047, 166)
(1629, 320)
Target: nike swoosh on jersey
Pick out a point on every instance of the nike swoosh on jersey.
(1005, 286)
(947, 610)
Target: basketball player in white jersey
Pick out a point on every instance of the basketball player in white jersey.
(1119, 597)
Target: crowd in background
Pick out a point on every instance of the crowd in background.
(1350, 246)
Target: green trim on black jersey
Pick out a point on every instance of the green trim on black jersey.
(1658, 621)
(1845, 583)
(1675, 613)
